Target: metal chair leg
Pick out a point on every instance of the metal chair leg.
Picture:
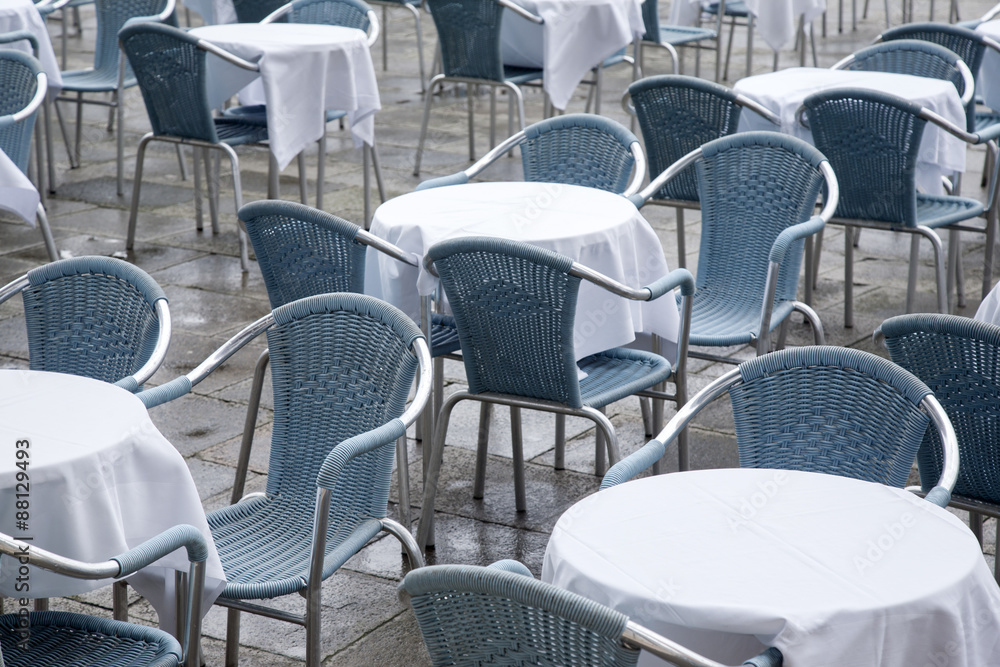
(140, 157)
(43, 226)
(482, 449)
(232, 638)
(423, 126)
(517, 445)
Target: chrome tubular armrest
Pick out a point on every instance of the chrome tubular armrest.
(941, 493)
(56, 563)
(832, 191)
(970, 82)
(13, 287)
(990, 15)
(227, 56)
(385, 247)
(277, 13)
(41, 90)
(521, 11)
(948, 126)
(845, 63)
(647, 640)
(640, 169)
(424, 382)
(373, 27)
(627, 105)
(229, 348)
(506, 145)
(162, 343)
(668, 175)
(758, 109)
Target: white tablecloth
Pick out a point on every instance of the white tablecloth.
(941, 154)
(213, 12)
(102, 481)
(17, 194)
(989, 309)
(305, 69)
(598, 229)
(777, 21)
(22, 15)
(832, 571)
(577, 36)
(989, 71)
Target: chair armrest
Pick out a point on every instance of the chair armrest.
(459, 178)
(770, 658)
(792, 234)
(939, 495)
(677, 278)
(165, 392)
(162, 17)
(633, 464)
(514, 566)
(166, 542)
(989, 134)
(17, 36)
(353, 447)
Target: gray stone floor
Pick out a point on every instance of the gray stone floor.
(211, 299)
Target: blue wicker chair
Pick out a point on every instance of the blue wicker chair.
(342, 366)
(303, 252)
(515, 306)
(107, 75)
(169, 66)
(345, 13)
(98, 317)
(669, 37)
(575, 149)
(735, 10)
(988, 16)
(469, 40)
(255, 11)
(959, 359)
(769, 184)
(825, 409)
(78, 640)
(23, 86)
(413, 7)
(872, 140)
(500, 614)
(678, 114)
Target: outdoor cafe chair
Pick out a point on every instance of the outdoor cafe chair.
(825, 409)
(678, 114)
(515, 307)
(988, 16)
(500, 614)
(342, 366)
(959, 359)
(469, 40)
(872, 140)
(255, 11)
(81, 640)
(758, 193)
(110, 73)
(345, 13)
(413, 7)
(170, 67)
(669, 37)
(302, 252)
(736, 10)
(23, 87)
(98, 317)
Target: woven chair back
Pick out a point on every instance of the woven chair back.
(18, 85)
(469, 35)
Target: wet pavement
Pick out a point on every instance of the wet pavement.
(210, 299)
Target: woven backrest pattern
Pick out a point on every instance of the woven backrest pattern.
(170, 70)
(651, 20)
(255, 11)
(302, 251)
(341, 365)
(677, 114)
(966, 44)
(753, 186)
(59, 639)
(911, 56)
(482, 616)
(111, 17)
(469, 35)
(831, 410)
(346, 13)
(959, 359)
(872, 140)
(514, 305)
(18, 85)
(579, 149)
(91, 316)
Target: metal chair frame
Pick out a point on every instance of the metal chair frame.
(199, 146)
(607, 439)
(515, 97)
(433, 590)
(654, 450)
(413, 8)
(694, 39)
(988, 137)
(311, 589)
(907, 17)
(679, 205)
(27, 114)
(805, 230)
(128, 563)
(131, 382)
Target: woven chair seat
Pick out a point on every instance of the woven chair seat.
(256, 114)
(61, 639)
(985, 119)
(736, 8)
(94, 80)
(265, 543)
(519, 75)
(239, 132)
(678, 34)
(720, 318)
(619, 373)
(937, 211)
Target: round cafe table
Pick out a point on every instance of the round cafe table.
(101, 480)
(598, 229)
(832, 571)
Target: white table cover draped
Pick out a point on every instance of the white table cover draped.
(102, 481)
(783, 92)
(989, 70)
(601, 230)
(989, 309)
(777, 21)
(305, 69)
(17, 194)
(22, 15)
(577, 36)
(833, 571)
(213, 12)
